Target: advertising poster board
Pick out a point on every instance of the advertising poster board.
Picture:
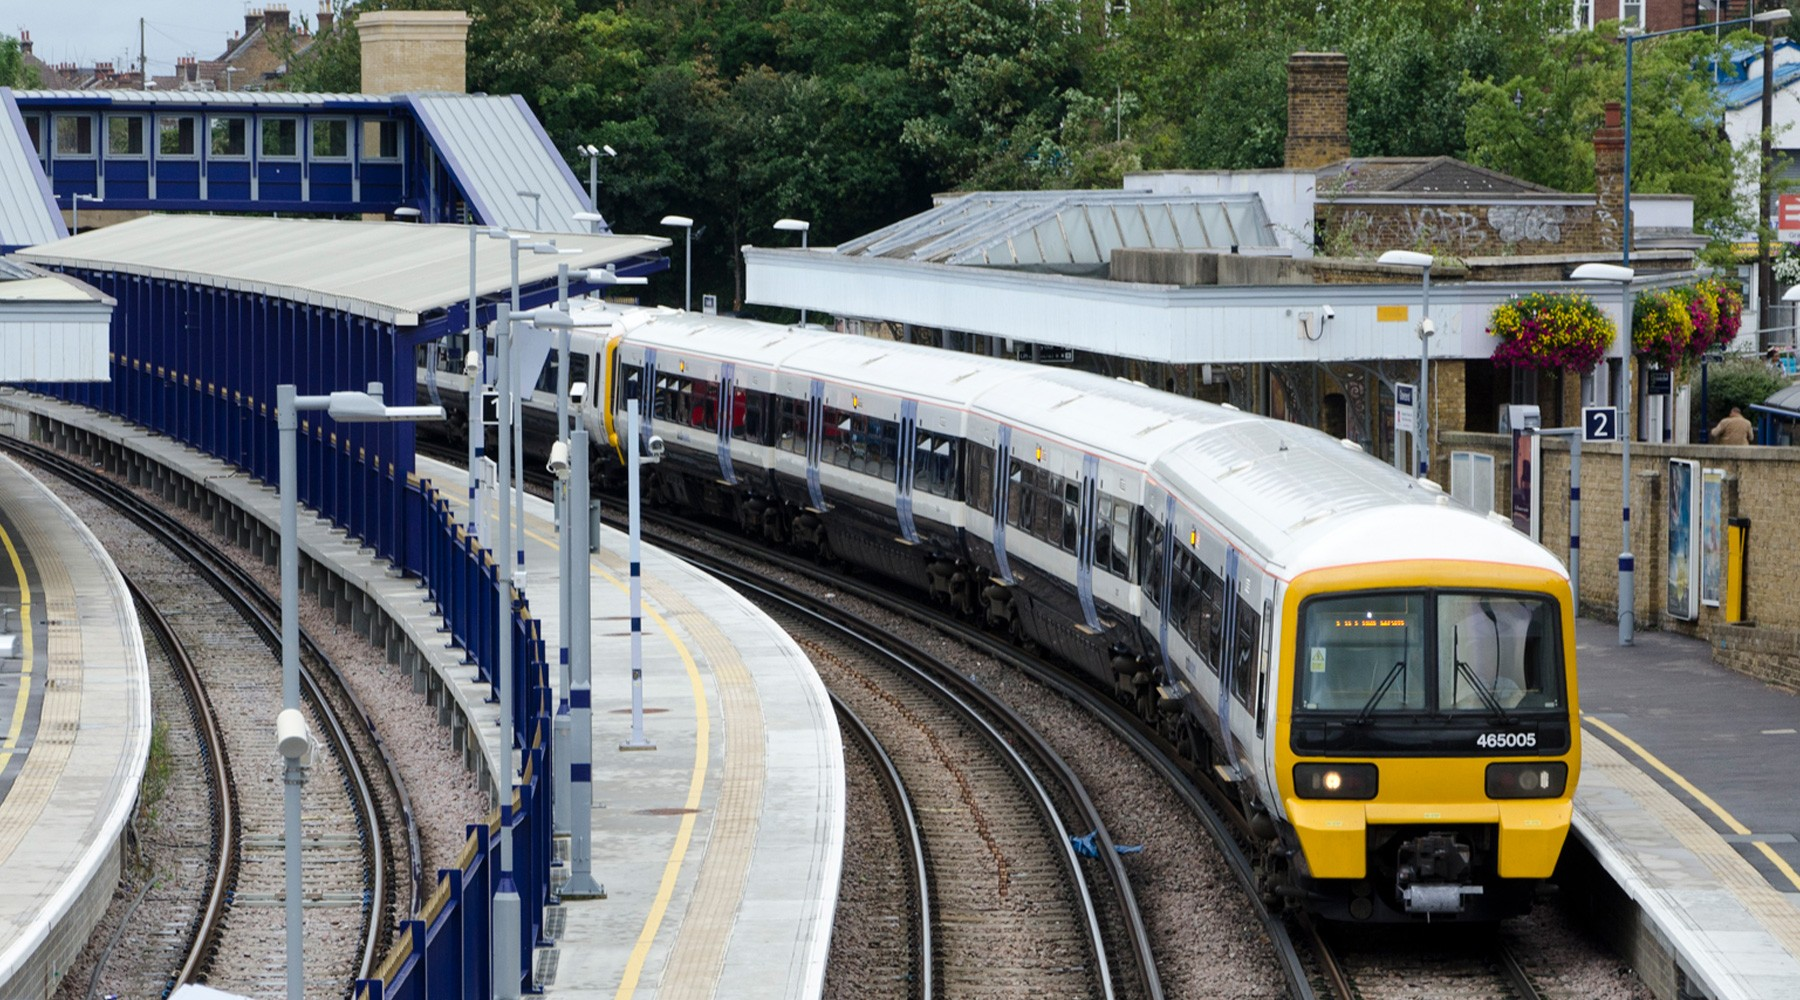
(1684, 556)
(1712, 535)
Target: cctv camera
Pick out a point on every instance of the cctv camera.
(559, 460)
(472, 364)
(1329, 312)
(653, 448)
(609, 151)
(1426, 328)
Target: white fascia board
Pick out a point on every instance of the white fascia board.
(1185, 325)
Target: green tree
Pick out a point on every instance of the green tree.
(1678, 144)
(14, 72)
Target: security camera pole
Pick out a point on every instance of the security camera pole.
(632, 461)
(505, 924)
(346, 407)
(1421, 411)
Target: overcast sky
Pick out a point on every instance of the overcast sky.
(90, 31)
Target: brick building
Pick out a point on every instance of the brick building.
(1658, 15)
(253, 59)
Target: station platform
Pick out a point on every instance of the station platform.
(75, 729)
(1688, 801)
(720, 850)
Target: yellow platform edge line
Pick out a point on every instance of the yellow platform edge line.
(24, 699)
(1704, 799)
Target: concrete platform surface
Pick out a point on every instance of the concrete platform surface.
(1688, 800)
(75, 729)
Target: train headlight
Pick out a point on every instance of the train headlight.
(1539, 780)
(1336, 781)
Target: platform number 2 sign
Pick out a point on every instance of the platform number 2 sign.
(1600, 423)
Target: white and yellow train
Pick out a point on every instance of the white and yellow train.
(1386, 678)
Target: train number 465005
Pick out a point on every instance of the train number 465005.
(1498, 740)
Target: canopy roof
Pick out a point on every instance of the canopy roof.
(390, 271)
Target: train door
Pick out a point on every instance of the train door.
(1002, 492)
(1086, 515)
(815, 442)
(1228, 657)
(903, 478)
(647, 400)
(723, 419)
(1158, 573)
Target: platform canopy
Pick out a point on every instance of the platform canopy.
(53, 328)
(393, 272)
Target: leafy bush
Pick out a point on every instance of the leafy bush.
(1739, 381)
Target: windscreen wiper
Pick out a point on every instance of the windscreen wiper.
(1481, 690)
(1380, 692)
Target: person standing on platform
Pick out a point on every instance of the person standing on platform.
(1734, 429)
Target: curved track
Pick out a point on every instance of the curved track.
(818, 626)
(921, 969)
(349, 863)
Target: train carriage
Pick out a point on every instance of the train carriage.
(1387, 681)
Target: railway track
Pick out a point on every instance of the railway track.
(890, 964)
(1014, 914)
(1449, 962)
(355, 882)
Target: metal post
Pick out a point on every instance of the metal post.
(594, 184)
(506, 896)
(1574, 436)
(506, 400)
(803, 235)
(1421, 420)
(287, 420)
(565, 561)
(633, 474)
(1625, 223)
(1627, 587)
(687, 296)
(581, 884)
(1765, 273)
(476, 343)
(1399, 455)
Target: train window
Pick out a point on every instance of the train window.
(631, 380)
(1150, 559)
(1112, 536)
(790, 424)
(663, 404)
(1212, 614)
(934, 464)
(578, 370)
(1071, 520)
(1499, 647)
(1362, 652)
(980, 477)
(1243, 654)
(701, 409)
(1016, 495)
(747, 415)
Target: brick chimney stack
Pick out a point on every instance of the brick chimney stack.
(1609, 171)
(324, 18)
(275, 18)
(103, 72)
(253, 18)
(25, 42)
(1318, 129)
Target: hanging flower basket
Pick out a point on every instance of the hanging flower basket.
(1551, 330)
(1677, 325)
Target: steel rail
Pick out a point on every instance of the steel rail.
(225, 832)
(261, 609)
(893, 787)
(979, 706)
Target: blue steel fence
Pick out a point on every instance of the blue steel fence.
(443, 951)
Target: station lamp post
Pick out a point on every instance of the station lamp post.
(1421, 418)
(800, 226)
(1768, 19)
(536, 200)
(75, 201)
(593, 157)
(687, 225)
(1627, 585)
(290, 725)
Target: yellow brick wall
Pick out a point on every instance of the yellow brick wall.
(1762, 484)
(414, 50)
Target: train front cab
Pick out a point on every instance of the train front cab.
(1426, 743)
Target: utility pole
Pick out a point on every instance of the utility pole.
(143, 60)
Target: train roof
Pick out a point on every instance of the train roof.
(1304, 500)
(1135, 423)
